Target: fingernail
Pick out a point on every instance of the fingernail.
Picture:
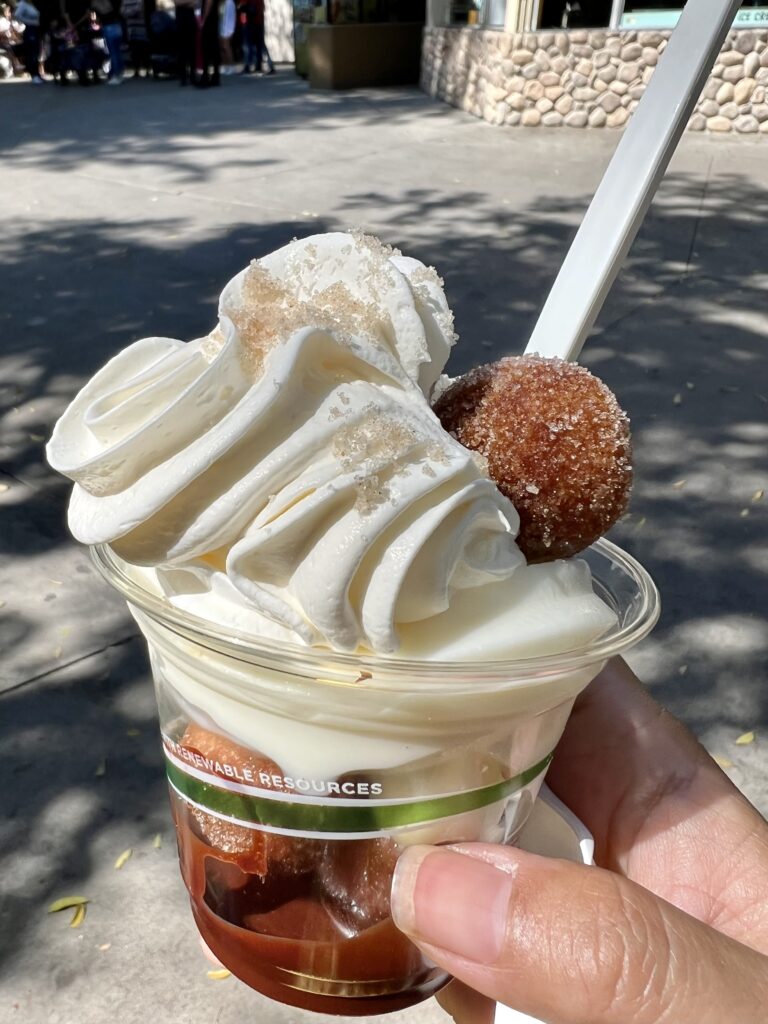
(452, 901)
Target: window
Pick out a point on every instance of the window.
(480, 13)
(495, 13)
(664, 14)
(575, 13)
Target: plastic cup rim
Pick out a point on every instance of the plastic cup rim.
(364, 668)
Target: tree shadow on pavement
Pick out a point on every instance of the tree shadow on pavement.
(74, 129)
(81, 753)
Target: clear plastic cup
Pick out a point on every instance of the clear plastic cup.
(297, 775)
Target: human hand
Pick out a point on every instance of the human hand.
(671, 928)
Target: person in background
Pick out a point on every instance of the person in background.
(11, 41)
(135, 17)
(92, 50)
(208, 25)
(64, 53)
(108, 12)
(226, 35)
(186, 38)
(27, 14)
(262, 53)
(254, 45)
(245, 34)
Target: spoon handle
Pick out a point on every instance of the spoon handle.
(630, 182)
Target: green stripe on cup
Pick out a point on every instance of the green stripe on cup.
(333, 816)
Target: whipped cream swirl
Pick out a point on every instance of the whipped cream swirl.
(290, 460)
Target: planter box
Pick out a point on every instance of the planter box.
(353, 56)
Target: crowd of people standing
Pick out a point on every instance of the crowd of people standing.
(92, 41)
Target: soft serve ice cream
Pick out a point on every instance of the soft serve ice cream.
(285, 475)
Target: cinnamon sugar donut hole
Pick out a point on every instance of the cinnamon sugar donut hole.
(557, 445)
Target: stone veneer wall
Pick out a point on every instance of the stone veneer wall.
(586, 78)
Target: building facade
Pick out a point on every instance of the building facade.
(583, 63)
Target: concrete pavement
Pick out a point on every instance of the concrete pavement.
(125, 210)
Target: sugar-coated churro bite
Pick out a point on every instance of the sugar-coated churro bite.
(253, 851)
(557, 445)
(356, 878)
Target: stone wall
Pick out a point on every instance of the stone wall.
(586, 78)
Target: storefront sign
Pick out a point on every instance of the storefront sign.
(748, 17)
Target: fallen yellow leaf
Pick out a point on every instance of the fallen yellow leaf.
(157, 842)
(78, 917)
(758, 495)
(133, 732)
(219, 975)
(101, 768)
(124, 857)
(66, 902)
(679, 483)
(104, 947)
(745, 739)
(723, 762)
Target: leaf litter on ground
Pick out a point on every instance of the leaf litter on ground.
(124, 857)
(745, 739)
(66, 903)
(79, 916)
(723, 762)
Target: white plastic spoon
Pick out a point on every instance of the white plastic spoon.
(630, 182)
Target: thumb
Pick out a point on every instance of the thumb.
(571, 944)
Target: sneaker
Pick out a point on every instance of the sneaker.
(117, 80)
(272, 71)
(37, 80)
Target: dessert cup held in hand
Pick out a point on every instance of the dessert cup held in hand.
(297, 775)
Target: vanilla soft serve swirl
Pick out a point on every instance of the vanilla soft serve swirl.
(290, 462)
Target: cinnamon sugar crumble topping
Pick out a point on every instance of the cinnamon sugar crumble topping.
(270, 312)
(375, 447)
